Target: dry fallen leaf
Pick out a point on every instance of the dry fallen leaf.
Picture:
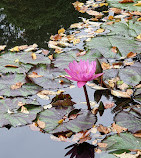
(95, 13)
(61, 31)
(99, 31)
(131, 55)
(98, 150)
(15, 49)
(41, 124)
(76, 41)
(110, 17)
(139, 19)
(116, 10)
(34, 127)
(22, 47)
(95, 86)
(35, 75)
(137, 134)
(126, 94)
(126, 1)
(105, 66)
(118, 129)
(11, 66)
(34, 57)
(16, 86)
(128, 155)
(102, 145)
(103, 129)
(108, 105)
(24, 110)
(2, 47)
(139, 37)
(114, 49)
(123, 86)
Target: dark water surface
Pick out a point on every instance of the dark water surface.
(33, 21)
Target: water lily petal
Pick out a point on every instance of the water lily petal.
(81, 84)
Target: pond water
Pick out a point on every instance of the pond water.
(34, 21)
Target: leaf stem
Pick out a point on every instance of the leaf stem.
(87, 98)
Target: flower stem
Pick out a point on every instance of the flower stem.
(87, 98)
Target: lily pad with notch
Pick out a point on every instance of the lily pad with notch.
(48, 78)
(84, 120)
(16, 85)
(11, 113)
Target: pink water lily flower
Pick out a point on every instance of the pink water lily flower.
(82, 72)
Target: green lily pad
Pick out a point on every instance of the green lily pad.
(62, 60)
(7, 83)
(137, 95)
(104, 45)
(130, 120)
(11, 67)
(51, 118)
(129, 75)
(11, 114)
(124, 142)
(49, 77)
(24, 57)
(127, 6)
(127, 29)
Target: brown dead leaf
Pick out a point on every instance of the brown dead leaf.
(137, 134)
(95, 13)
(24, 110)
(103, 129)
(34, 57)
(35, 75)
(98, 150)
(41, 124)
(126, 1)
(17, 85)
(116, 10)
(22, 47)
(114, 49)
(81, 53)
(34, 127)
(102, 145)
(131, 55)
(118, 129)
(128, 155)
(56, 37)
(94, 110)
(139, 19)
(2, 47)
(110, 17)
(50, 57)
(78, 5)
(105, 66)
(126, 94)
(11, 66)
(110, 23)
(128, 63)
(136, 13)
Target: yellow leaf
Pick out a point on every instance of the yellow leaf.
(34, 57)
(139, 37)
(62, 30)
(76, 41)
(126, 94)
(60, 121)
(15, 49)
(99, 31)
(139, 19)
(138, 3)
(103, 4)
(17, 61)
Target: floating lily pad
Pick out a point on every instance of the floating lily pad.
(9, 66)
(62, 60)
(48, 77)
(127, 29)
(104, 45)
(24, 57)
(130, 120)
(11, 114)
(129, 75)
(16, 85)
(127, 6)
(137, 95)
(51, 118)
(123, 142)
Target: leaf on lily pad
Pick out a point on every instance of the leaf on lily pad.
(24, 57)
(130, 120)
(122, 143)
(16, 85)
(52, 117)
(48, 77)
(128, 6)
(104, 44)
(11, 113)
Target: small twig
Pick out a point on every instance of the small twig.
(87, 98)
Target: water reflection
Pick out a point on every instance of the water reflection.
(84, 150)
(28, 22)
